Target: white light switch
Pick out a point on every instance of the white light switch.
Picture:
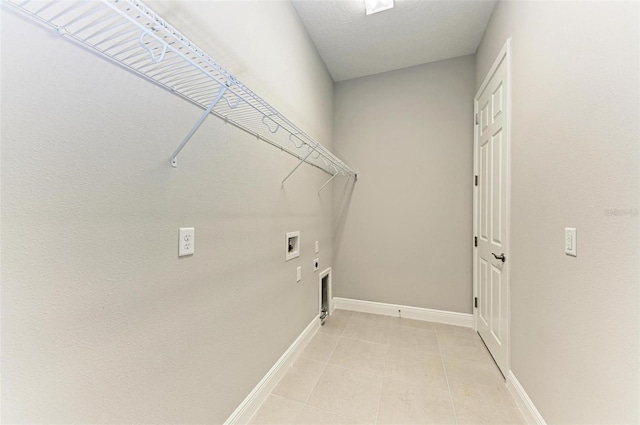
(317, 247)
(299, 274)
(570, 247)
(186, 241)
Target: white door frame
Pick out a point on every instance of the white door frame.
(505, 53)
(325, 272)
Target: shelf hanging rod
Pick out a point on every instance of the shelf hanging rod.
(174, 157)
(296, 167)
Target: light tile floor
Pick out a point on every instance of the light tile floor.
(368, 369)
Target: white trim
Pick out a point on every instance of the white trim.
(325, 272)
(417, 313)
(296, 252)
(505, 53)
(531, 414)
(474, 260)
(252, 402)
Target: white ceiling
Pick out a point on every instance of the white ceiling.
(412, 33)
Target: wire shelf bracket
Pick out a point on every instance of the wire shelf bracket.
(328, 181)
(296, 167)
(130, 34)
(174, 157)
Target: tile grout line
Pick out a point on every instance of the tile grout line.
(384, 368)
(484, 365)
(345, 337)
(351, 318)
(323, 370)
(306, 402)
(446, 377)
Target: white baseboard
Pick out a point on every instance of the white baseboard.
(250, 405)
(523, 401)
(417, 313)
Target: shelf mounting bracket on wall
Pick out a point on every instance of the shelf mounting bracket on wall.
(174, 157)
(296, 167)
(328, 181)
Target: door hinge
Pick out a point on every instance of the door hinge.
(476, 180)
(476, 119)
(475, 302)
(475, 241)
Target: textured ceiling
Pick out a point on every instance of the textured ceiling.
(412, 33)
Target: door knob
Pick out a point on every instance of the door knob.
(500, 257)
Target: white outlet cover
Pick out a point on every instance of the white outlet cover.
(186, 241)
(299, 274)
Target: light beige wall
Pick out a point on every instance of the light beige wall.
(575, 161)
(101, 322)
(403, 232)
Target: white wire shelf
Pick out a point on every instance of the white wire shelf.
(132, 35)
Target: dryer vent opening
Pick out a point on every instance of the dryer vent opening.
(325, 296)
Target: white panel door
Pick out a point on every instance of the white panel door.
(491, 259)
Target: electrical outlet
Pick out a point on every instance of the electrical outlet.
(298, 274)
(316, 264)
(186, 241)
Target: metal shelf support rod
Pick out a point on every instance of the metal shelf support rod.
(328, 181)
(174, 157)
(299, 164)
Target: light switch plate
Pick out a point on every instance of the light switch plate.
(570, 241)
(299, 274)
(316, 264)
(186, 241)
(317, 247)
